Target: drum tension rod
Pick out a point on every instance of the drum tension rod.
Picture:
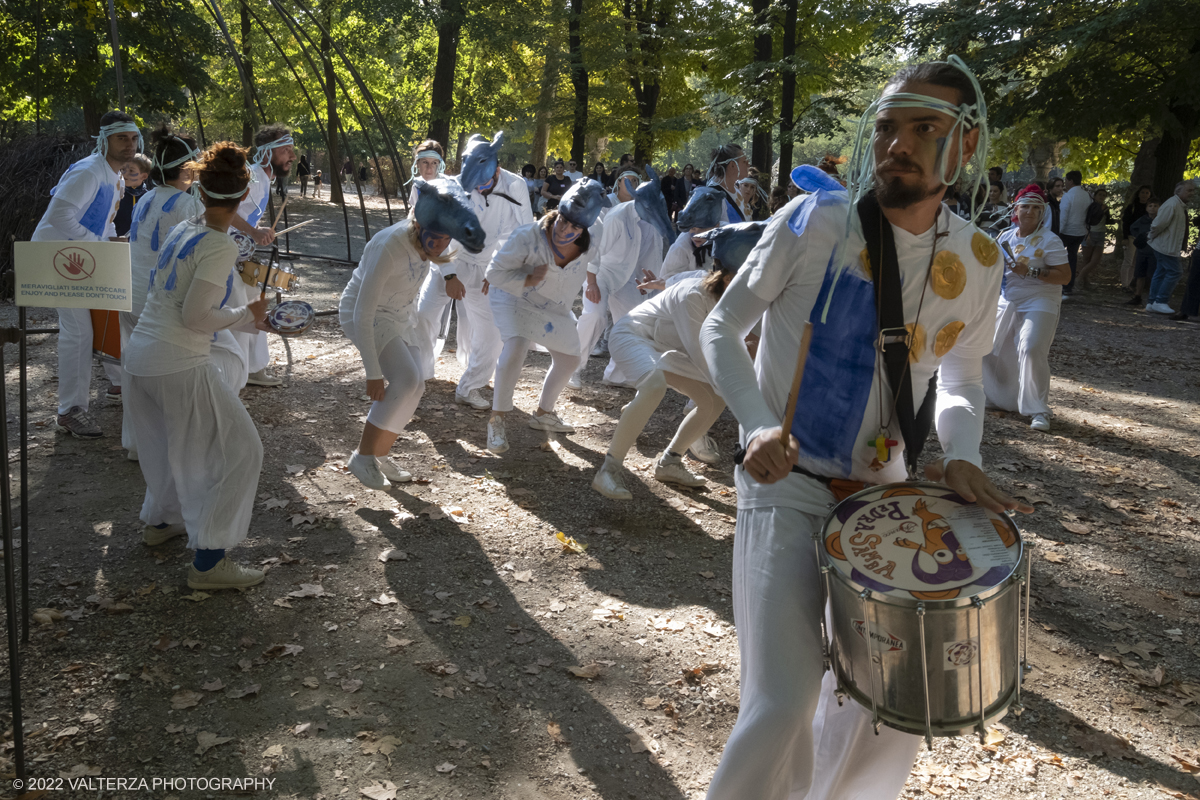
(925, 676)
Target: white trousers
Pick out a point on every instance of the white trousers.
(199, 452)
(401, 365)
(593, 321)
(128, 322)
(255, 346)
(74, 358)
(792, 740)
(1016, 374)
(508, 370)
(479, 335)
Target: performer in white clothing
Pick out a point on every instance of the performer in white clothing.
(792, 739)
(155, 215)
(501, 202)
(429, 163)
(534, 281)
(1016, 374)
(658, 345)
(378, 312)
(691, 251)
(197, 446)
(274, 155)
(82, 207)
(631, 244)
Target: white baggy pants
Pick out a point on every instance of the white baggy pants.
(593, 321)
(792, 740)
(74, 358)
(199, 452)
(508, 371)
(479, 335)
(1016, 374)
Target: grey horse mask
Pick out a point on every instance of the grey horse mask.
(480, 160)
(652, 206)
(732, 243)
(442, 207)
(703, 209)
(582, 202)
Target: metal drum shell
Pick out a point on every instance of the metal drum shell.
(990, 618)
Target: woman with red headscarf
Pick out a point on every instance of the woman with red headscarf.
(1016, 375)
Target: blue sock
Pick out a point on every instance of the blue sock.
(207, 559)
(162, 525)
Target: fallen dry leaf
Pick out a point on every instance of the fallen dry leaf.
(295, 469)
(392, 641)
(185, 699)
(393, 555)
(274, 751)
(245, 691)
(524, 576)
(213, 686)
(1076, 527)
(446, 767)
(384, 599)
(1057, 558)
(569, 544)
(208, 741)
(308, 590)
(555, 731)
(380, 791)
(586, 671)
(197, 597)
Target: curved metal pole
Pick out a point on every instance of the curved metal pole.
(215, 13)
(362, 86)
(294, 26)
(116, 48)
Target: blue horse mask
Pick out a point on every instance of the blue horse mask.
(582, 202)
(480, 160)
(732, 243)
(652, 206)
(442, 207)
(810, 179)
(703, 209)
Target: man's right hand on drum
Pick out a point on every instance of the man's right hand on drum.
(974, 486)
(766, 460)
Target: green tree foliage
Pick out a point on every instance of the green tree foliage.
(1084, 69)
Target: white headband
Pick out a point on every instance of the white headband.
(189, 156)
(263, 154)
(108, 130)
(441, 170)
(216, 196)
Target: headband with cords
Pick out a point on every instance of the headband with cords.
(861, 173)
(441, 170)
(752, 182)
(716, 166)
(101, 138)
(263, 154)
(218, 196)
(191, 154)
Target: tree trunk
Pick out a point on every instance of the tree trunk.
(1044, 156)
(93, 109)
(787, 102)
(761, 154)
(644, 65)
(248, 68)
(459, 146)
(1143, 166)
(442, 95)
(331, 115)
(541, 125)
(1170, 156)
(579, 80)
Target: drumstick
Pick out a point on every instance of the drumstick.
(297, 225)
(279, 216)
(790, 409)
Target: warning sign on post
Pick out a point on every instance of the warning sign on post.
(73, 275)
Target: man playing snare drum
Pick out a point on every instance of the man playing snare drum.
(819, 260)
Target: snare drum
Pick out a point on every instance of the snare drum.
(253, 274)
(925, 600)
(106, 336)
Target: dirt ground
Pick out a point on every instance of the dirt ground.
(438, 640)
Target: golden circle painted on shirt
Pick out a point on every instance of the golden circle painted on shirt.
(1035, 241)
(1039, 253)
(948, 276)
(944, 341)
(986, 251)
(1019, 249)
(864, 258)
(917, 346)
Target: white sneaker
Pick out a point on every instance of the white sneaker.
(392, 472)
(1160, 308)
(1040, 422)
(601, 347)
(153, 537)
(474, 399)
(225, 575)
(263, 378)
(670, 469)
(366, 469)
(496, 435)
(550, 422)
(705, 449)
(608, 481)
(575, 382)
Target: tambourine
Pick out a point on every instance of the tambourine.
(245, 245)
(291, 318)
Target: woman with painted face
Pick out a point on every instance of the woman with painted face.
(534, 279)
(658, 346)
(1016, 375)
(378, 312)
(729, 165)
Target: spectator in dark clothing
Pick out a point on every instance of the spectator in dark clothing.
(1053, 199)
(668, 184)
(1190, 307)
(555, 185)
(1097, 221)
(1144, 261)
(1135, 209)
(302, 172)
(136, 173)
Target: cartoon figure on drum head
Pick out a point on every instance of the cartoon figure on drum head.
(941, 545)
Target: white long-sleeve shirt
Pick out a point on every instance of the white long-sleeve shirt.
(254, 206)
(1169, 227)
(83, 204)
(380, 301)
(786, 280)
(681, 256)
(1072, 212)
(671, 321)
(627, 246)
(498, 217)
(156, 213)
(514, 262)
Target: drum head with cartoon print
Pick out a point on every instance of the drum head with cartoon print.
(920, 540)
